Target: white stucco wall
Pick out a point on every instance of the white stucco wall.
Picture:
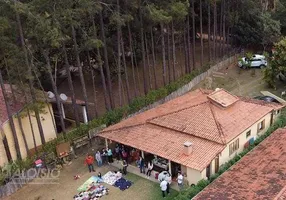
(224, 156)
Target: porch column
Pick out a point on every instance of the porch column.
(169, 165)
(84, 114)
(63, 110)
(106, 143)
(142, 154)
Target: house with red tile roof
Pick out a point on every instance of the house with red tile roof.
(261, 174)
(7, 143)
(194, 133)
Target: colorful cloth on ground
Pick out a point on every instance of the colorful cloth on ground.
(87, 183)
(95, 191)
(110, 178)
(122, 184)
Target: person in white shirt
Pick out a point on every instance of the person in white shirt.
(163, 186)
(150, 168)
(180, 180)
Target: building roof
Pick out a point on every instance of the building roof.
(261, 174)
(197, 117)
(14, 106)
(168, 144)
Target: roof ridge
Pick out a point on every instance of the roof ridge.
(120, 128)
(186, 133)
(222, 136)
(149, 120)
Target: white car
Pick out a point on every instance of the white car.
(256, 61)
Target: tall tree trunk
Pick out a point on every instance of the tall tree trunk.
(201, 32)
(143, 52)
(220, 28)
(186, 51)
(224, 36)
(94, 93)
(30, 73)
(173, 51)
(10, 117)
(194, 34)
(78, 63)
(209, 30)
(28, 111)
(45, 97)
(214, 26)
(163, 52)
(99, 60)
(17, 115)
(153, 59)
(189, 69)
(125, 72)
(137, 71)
(57, 97)
(106, 62)
(169, 53)
(119, 58)
(93, 84)
(148, 62)
(132, 60)
(70, 82)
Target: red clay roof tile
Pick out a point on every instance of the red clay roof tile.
(192, 116)
(261, 174)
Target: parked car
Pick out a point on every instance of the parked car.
(282, 76)
(256, 61)
(267, 99)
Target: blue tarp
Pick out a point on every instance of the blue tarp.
(122, 184)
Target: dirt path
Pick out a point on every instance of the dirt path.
(241, 82)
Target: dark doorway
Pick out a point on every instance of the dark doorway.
(216, 164)
(175, 168)
(271, 119)
(208, 171)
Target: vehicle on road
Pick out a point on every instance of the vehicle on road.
(267, 99)
(255, 62)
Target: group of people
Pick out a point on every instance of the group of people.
(105, 156)
(166, 181)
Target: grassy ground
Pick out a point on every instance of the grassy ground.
(141, 189)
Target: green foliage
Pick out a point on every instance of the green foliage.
(159, 15)
(277, 64)
(190, 192)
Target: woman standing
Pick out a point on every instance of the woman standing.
(150, 168)
(98, 159)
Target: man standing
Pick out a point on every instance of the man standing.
(180, 180)
(124, 167)
(89, 162)
(163, 186)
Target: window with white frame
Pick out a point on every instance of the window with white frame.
(234, 146)
(260, 126)
(248, 133)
